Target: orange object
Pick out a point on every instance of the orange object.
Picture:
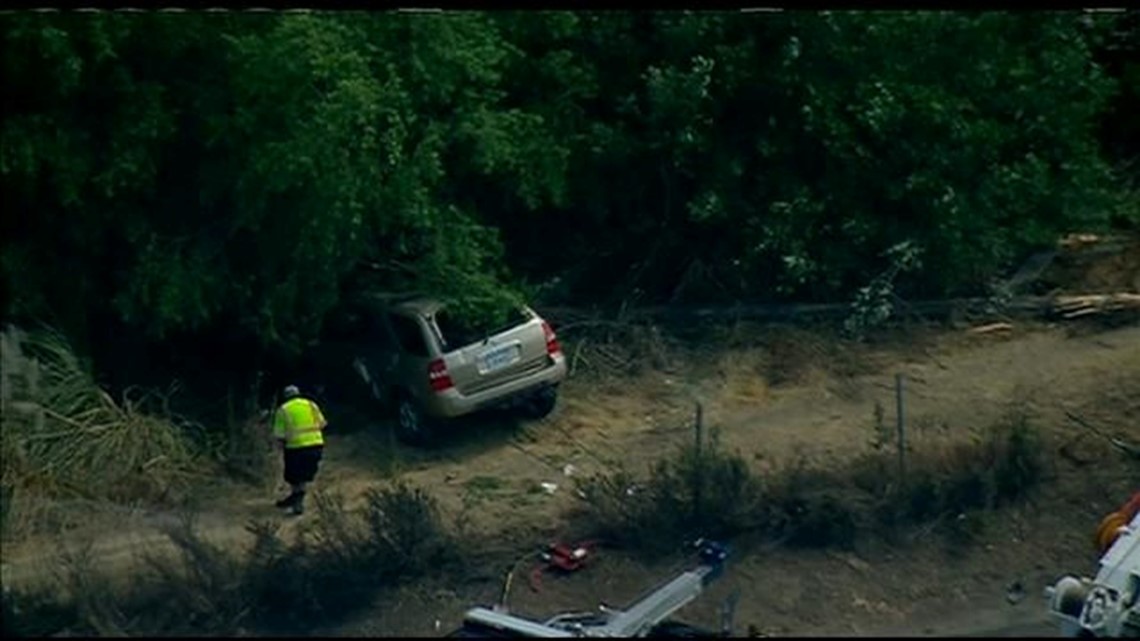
(1109, 527)
(1131, 507)
(1108, 530)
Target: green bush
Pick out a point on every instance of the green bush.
(1020, 465)
(34, 614)
(818, 520)
(70, 438)
(695, 493)
(344, 558)
(1002, 465)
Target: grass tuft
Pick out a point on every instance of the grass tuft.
(66, 438)
(340, 562)
(715, 493)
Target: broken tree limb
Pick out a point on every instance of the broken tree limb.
(992, 328)
(1073, 241)
(1078, 306)
(1128, 448)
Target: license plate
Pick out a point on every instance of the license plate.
(498, 358)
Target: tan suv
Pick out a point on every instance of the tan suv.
(427, 365)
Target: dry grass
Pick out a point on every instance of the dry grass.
(696, 493)
(716, 493)
(793, 355)
(1000, 465)
(753, 356)
(741, 376)
(338, 563)
(64, 437)
(604, 350)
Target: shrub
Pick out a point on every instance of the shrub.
(713, 493)
(1001, 465)
(821, 520)
(64, 436)
(1020, 463)
(344, 558)
(338, 563)
(34, 613)
(705, 492)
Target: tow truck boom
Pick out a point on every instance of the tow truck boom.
(639, 620)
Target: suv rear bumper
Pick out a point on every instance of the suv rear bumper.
(453, 403)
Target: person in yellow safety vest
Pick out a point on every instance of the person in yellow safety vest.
(298, 425)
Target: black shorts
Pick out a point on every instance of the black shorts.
(301, 464)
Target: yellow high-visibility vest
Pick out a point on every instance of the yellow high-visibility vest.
(299, 423)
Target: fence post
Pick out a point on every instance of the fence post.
(698, 428)
(699, 463)
(5, 382)
(901, 427)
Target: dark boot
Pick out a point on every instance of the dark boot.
(298, 506)
(288, 501)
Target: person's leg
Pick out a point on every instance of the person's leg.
(310, 460)
(298, 491)
(294, 477)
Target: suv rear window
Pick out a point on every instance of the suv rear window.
(457, 331)
(409, 335)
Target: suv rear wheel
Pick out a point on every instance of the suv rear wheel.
(412, 425)
(541, 404)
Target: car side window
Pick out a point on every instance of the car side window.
(409, 335)
(347, 325)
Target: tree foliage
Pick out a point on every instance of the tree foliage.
(177, 172)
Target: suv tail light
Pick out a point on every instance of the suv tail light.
(552, 346)
(438, 377)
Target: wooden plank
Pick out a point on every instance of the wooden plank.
(991, 328)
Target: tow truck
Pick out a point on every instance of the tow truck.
(647, 617)
(1108, 605)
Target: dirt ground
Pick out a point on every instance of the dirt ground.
(954, 384)
(817, 405)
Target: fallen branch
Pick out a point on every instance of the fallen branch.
(992, 328)
(1075, 241)
(586, 324)
(1077, 306)
(1066, 451)
(578, 356)
(925, 530)
(1127, 448)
